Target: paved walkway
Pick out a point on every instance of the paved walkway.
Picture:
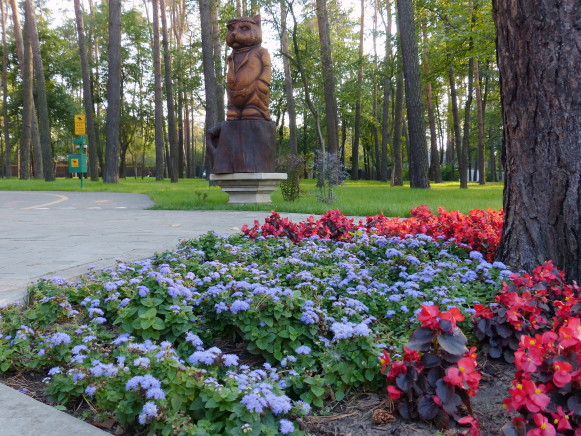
(47, 234)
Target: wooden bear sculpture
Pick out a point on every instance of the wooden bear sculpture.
(249, 71)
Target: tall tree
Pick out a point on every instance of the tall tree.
(288, 81)
(328, 77)
(208, 65)
(539, 58)
(43, 119)
(457, 139)
(5, 132)
(465, 149)
(417, 147)
(157, 92)
(434, 172)
(386, 93)
(481, 164)
(87, 94)
(397, 176)
(357, 129)
(218, 45)
(171, 117)
(28, 110)
(111, 172)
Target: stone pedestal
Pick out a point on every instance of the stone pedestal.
(248, 187)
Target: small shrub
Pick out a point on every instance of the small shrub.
(546, 390)
(329, 173)
(437, 374)
(529, 304)
(293, 165)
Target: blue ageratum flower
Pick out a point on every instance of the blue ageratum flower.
(148, 413)
(303, 349)
(286, 426)
(59, 338)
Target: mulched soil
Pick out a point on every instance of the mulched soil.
(351, 417)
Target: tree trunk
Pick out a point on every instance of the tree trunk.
(386, 97)
(456, 120)
(111, 172)
(480, 114)
(218, 45)
(43, 121)
(87, 95)
(288, 81)
(417, 147)
(171, 120)
(28, 110)
(465, 149)
(541, 111)
(157, 96)
(328, 77)
(357, 130)
(7, 147)
(397, 176)
(434, 172)
(209, 72)
(305, 81)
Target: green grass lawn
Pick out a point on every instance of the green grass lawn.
(354, 198)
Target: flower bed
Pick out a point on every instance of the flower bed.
(234, 335)
(248, 334)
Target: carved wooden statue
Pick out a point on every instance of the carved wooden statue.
(249, 71)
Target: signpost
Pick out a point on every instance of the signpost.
(78, 161)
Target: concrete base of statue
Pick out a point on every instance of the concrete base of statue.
(244, 188)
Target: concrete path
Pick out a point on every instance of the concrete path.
(47, 234)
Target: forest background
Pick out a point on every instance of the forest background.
(167, 58)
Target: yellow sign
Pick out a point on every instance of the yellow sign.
(80, 128)
(75, 163)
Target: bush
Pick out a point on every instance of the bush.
(437, 374)
(293, 165)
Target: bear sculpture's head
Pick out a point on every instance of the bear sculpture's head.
(244, 32)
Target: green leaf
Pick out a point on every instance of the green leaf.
(317, 390)
(158, 324)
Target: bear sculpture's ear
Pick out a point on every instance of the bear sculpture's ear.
(257, 19)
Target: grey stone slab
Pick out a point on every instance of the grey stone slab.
(21, 415)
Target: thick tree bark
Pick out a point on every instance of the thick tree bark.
(397, 176)
(328, 77)
(209, 72)
(357, 129)
(43, 120)
(7, 147)
(87, 95)
(171, 117)
(288, 81)
(539, 58)
(111, 172)
(417, 147)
